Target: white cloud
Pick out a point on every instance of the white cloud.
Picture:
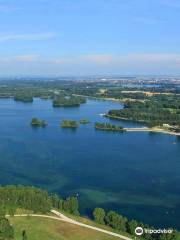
(26, 37)
(93, 64)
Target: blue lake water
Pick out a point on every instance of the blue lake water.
(137, 174)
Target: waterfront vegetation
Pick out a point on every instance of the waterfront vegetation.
(150, 112)
(108, 127)
(68, 101)
(15, 199)
(121, 223)
(35, 122)
(21, 97)
(69, 124)
(34, 199)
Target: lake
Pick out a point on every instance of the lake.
(137, 174)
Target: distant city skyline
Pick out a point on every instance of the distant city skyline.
(92, 37)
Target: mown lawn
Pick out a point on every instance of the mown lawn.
(48, 229)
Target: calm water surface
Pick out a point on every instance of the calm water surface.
(137, 174)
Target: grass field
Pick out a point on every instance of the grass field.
(48, 229)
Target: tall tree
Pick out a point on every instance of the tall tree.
(116, 221)
(99, 215)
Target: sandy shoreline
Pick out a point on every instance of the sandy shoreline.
(157, 130)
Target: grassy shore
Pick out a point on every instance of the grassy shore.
(46, 229)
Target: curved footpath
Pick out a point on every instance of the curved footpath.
(62, 217)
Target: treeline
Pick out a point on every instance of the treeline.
(37, 200)
(153, 113)
(108, 127)
(68, 101)
(22, 97)
(121, 223)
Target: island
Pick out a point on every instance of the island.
(69, 124)
(68, 101)
(109, 127)
(84, 121)
(35, 122)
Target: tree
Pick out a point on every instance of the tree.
(11, 210)
(173, 236)
(99, 215)
(131, 226)
(6, 230)
(71, 205)
(116, 221)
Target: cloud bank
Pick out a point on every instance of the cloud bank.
(93, 64)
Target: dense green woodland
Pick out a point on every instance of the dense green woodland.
(156, 112)
(108, 127)
(37, 200)
(68, 101)
(30, 198)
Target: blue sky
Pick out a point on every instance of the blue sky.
(78, 37)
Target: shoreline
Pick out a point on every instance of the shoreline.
(155, 130)
(142, 129)
(103, 99)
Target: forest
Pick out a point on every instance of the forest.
(108, 127)
(155, 112)
(30, 198)
(68, 101)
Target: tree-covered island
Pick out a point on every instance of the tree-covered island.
(84, 121)
(68, 101)
(35, 122)
(69, 124)
(108, 127)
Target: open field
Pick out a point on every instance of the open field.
(49, 229)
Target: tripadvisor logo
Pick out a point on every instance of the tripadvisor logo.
(139, 231)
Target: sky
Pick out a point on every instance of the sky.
(89, 37)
